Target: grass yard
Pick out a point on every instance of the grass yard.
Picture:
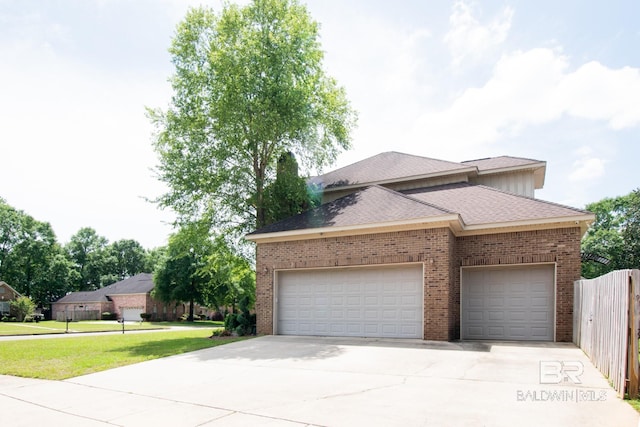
(54, 327)
(62, 358)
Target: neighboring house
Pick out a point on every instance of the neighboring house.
(7, 294)
(412, 247)
(128, 298)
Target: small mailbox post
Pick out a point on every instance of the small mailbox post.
(122, 321)
(67, 330)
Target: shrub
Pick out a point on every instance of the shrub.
(145, 316)
(23, 306)
(28, 318)
(220, 332)
(217, 316)
(109, 316)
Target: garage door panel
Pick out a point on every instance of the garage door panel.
(509, 303)
(370, 302)
(496, 315)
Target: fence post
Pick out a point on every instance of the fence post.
(633, 369)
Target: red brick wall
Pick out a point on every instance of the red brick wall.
(441, 254)
(560, 246)
(432, 247)
(129, 301)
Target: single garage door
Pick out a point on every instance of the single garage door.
(353, 302)
(508, 303)
(132, 314)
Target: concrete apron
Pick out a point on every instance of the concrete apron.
(293, 381)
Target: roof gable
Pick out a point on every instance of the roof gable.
(388, 167)
(7, 286)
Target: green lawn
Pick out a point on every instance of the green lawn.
(53, 327)
(61, 358)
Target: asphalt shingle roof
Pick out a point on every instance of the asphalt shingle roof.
(138, 284)
(383, 167)
(478, 204)
(371, 205)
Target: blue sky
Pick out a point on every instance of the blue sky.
(549, 80)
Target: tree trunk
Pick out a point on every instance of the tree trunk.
(190, 310)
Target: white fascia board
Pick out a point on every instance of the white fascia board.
(461, 171)
(357, 229)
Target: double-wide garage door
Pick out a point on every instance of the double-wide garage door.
(508, 303)
(354, 302)
(132, 314)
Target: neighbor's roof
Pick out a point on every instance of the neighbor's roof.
(465, 208)
(388, 167)
(84, 296)
(139, 284)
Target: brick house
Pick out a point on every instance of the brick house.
(7, 294)
(127, 298)
(411, 247)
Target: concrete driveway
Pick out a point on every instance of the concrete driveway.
(294, 381)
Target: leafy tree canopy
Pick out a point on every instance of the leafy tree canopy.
(249, 85)
(289, 194)
(181, 276)
(614, 235)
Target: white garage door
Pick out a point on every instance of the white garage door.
(355, 302)
(508, 303)
(132, 314)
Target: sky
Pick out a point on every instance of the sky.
(557, 81)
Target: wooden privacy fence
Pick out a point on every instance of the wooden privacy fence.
(606, 316)
(75, 315)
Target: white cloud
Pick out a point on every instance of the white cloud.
(600, 93)
(469, 39)
(587, 169)
(533, 88)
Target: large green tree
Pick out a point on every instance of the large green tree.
(31, 260)
(248, 86)
(129, 257)
(613, 240)
(182, 275)
(88, 252)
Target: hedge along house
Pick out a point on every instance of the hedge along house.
(127, 298)
(411, 247)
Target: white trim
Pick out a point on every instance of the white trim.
(507, 169)
(453, 221)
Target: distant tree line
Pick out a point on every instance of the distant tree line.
(35, 264)
(195, 267)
